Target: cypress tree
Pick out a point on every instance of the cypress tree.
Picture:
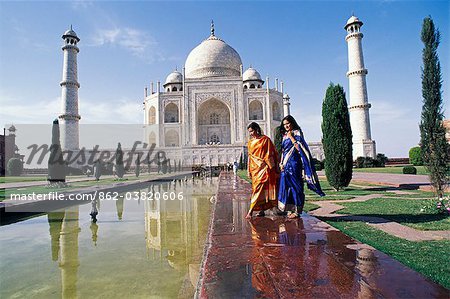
(137, 170)
(337, 138)
(432, 132)
(56, 163)
(120, 171)
(278, 140)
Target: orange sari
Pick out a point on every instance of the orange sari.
(262, 167)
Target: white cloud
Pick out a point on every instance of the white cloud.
(34, 113)
(386, 111)
(137, 42)
(125, 112)
(81, 4)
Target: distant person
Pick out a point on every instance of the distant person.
(295, 158)
(235, 167)
(263, 171)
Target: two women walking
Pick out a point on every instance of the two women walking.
(279, 182)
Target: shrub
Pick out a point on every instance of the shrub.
(318, 165)
(74, 171)
(381, 160)
(14, 167)
(369, 162)
(415, 156)
(409, 170)
(359, 163)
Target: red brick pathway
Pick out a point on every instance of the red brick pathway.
(273, 257)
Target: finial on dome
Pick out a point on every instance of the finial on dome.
(71, 27)
(212, 28)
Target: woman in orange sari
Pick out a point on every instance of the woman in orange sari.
(263, 171)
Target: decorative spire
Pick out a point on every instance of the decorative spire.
(212, 28)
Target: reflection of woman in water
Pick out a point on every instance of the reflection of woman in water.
(262, 169)
(295, 158)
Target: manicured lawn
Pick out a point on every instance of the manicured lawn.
(243, 175)
(15, 179)
(428, 257)
(404, 211)
(393, 169)
(309, 206)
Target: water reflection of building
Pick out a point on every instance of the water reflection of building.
(367, 264)
(69, 261)
(64, 229)
(175, 229)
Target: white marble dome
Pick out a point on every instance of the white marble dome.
(174, 77)
(251, 75)
(353, 20)
(213, 58)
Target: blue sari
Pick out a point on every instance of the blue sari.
(291, 196)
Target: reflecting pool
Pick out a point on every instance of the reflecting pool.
(135, 248)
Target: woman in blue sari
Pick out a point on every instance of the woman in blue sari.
(296, 158)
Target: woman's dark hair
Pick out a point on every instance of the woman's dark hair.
(255, 127)
(292, 121)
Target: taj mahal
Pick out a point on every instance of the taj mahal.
(200, 114)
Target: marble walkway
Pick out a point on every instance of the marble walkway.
(274, 257)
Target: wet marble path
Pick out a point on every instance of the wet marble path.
(273, 257)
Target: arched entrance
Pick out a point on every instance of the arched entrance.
(213, 123)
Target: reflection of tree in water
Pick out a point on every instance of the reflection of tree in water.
(55, 220)
(119, 207)
(94, 231)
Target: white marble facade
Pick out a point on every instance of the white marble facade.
(201, 115)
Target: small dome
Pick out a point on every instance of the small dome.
(353, 20)
(251, 75)
(174, 77)
(70, 33)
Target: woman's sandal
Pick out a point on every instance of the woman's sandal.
(293, 216)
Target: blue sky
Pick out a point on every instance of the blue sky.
(126, 45)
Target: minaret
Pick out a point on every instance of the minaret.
(363, 145)
(69, 117)
(286, 104)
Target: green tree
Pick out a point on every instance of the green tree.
(381, 160)
(337, 138)
(14, 167)
(415, 156)
(137, 170)
(241, 162)
(56, 164)
(432, 132)
(278, 140)
(97, 170)
(120, 170)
